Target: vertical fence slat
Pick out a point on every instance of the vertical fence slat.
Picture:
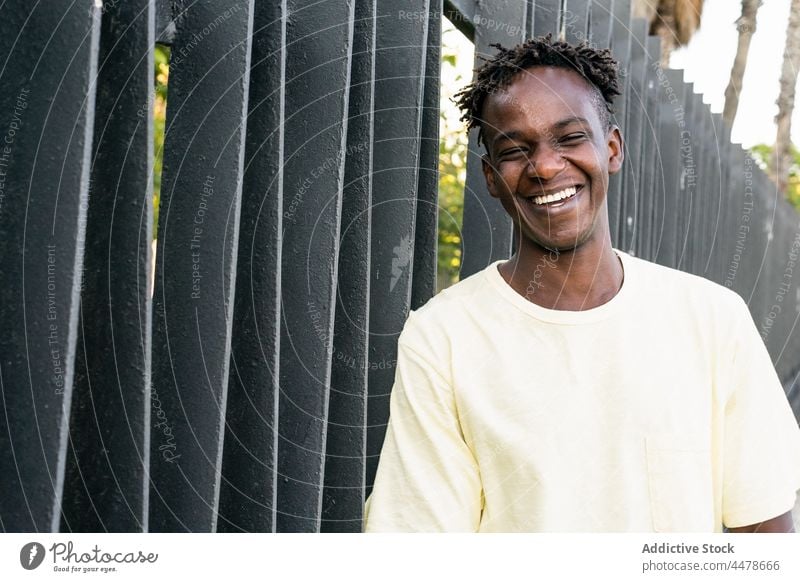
(728, 218)
(164, 17)
(462, 14)
(399, 66)
(345, 469)
(196, 261)
(319, 53)
(600, 23)
(546, 17)
(768, 292)
(704, 189)
(621, 47)
(717, 264)
(659, 183)
(711, 195)
(786, 243)
(106, 484)
(648, 172)
(670, 114)
(631, 195)
(745, 279)
(575, 19)
(687, 139)
(49, 55)
(767, 261)
(728, 224)
(248, 488)
(693, 172)
(487, 230)
(425, 261)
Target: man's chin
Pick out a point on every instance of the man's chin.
(561, 245)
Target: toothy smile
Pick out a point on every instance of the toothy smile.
(558, 196)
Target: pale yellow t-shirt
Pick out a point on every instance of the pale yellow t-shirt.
(657, 411)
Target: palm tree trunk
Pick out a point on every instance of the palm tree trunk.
(747, 27)
(674, 21)
(782, 158)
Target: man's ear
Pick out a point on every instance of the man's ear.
(615, 150)
(489, 174)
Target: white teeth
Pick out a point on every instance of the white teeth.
(565, 193)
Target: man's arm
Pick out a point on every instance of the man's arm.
(781, 524)
(761, 443)
(427, 478)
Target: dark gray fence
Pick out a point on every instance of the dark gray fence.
(297, 227)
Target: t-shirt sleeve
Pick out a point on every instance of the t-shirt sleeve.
(427, 478)
(761, 465)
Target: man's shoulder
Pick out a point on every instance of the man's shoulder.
(445, 312)
(459, 295)
(683, 290)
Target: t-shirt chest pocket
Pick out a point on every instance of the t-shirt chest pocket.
(680, 482)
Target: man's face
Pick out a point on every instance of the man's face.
(545, 139)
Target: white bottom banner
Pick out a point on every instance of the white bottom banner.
(388, 557)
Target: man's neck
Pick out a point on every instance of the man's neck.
(583, 278)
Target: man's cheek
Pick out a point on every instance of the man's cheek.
(504, 184)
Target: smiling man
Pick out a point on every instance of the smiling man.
(575, 387)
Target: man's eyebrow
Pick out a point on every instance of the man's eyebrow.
(508, 135)
(569, 121)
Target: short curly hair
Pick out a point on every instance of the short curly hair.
(598, 67)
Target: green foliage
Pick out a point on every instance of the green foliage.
(762, 154)
(161, 78)
(452, 168)
(452, 176)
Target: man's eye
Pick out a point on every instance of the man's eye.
(512, 153)
(573, 137)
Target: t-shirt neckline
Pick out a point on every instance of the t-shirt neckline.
(563, 316)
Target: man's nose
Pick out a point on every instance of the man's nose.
(545, 163)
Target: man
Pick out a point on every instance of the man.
(574, 387)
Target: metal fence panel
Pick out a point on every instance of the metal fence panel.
(621, 47)
(106, 483)
(399, 88)
(318, 60)
(671, 115)
(345, 463)
(600, 23)
(687, 178)
(423, 284)
(576, 17)
(546, 16)
(631, 195)
(196, 260)
(649, 171)
(46, 120)
(248, 487)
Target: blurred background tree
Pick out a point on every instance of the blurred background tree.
(161, 74)
(783, 158)
(746, 27)
(458, 55)
(674, 21)
(764, 155)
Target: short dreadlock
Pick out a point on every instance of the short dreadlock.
(598, 67)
